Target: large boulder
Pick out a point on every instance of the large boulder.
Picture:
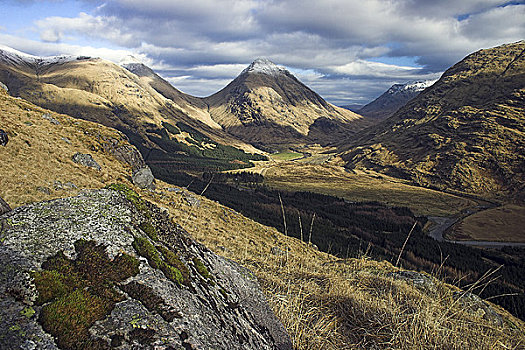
(107, 269)
(143, 178)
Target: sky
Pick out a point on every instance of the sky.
(349, 51)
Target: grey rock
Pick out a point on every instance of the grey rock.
(475, 305)
(66, 140)
(419, 280)
(43, 189)
(86, 160)
(174, 189)
(50, 118)
(3, 86)
(4, 139)
(124, 153)
(143, 178)
(192, 200)
(277, 251)
(4, 207)
(58, 185)
(225, 310)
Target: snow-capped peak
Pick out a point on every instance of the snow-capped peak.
(264, 66)
(129, 59)
(415, 86)
(14, 56)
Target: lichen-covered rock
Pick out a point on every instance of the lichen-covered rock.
(4, 207)
(475, 305)
(3, 86)
(107, 269)
(124, 153)
(143, 178)
(86, 160)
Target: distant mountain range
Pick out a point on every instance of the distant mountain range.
(394, 98)
(466, 132)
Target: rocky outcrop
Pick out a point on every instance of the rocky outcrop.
(107, 269)
(4, 207)
(124, 152)
(86, 160)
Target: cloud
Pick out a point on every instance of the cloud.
(335, 46)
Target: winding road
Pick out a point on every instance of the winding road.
(441, 224)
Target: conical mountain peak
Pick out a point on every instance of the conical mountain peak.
(264, 66)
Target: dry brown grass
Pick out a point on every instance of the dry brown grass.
(37, 154)
(329, 303)
(504, 224)
(324, 302)
(361, 186)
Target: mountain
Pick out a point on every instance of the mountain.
(167, 131)
(393, 99)
(266, 104)
(466, 132)
(52, 299)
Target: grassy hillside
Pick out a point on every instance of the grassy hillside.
(37, 162)
(324, 301)
(466, 132)
(332, 303)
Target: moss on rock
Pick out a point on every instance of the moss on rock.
(201, 269)
(76, 293)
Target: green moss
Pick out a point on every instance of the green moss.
(70, 317)
(172, 259)
(172, 273)
(150, 230)
(76, 293)
(132, 196)
(28, 312)
(144, 248)
(52, 284)
(201, 269)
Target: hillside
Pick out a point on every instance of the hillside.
(37, 162)
(267, 105)
(97, 90)
(465, 132)
(323, 301)
(393, 99)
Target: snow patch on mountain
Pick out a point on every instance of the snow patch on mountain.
(13, 56)
(264, 66)
(415, 86)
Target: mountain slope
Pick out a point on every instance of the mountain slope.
(37, 162)
(466, 132)
(393, 99)
(325, 302)
(103, 92)
(267, 104)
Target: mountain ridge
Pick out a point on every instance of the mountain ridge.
(466, 132)
(394, 98)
